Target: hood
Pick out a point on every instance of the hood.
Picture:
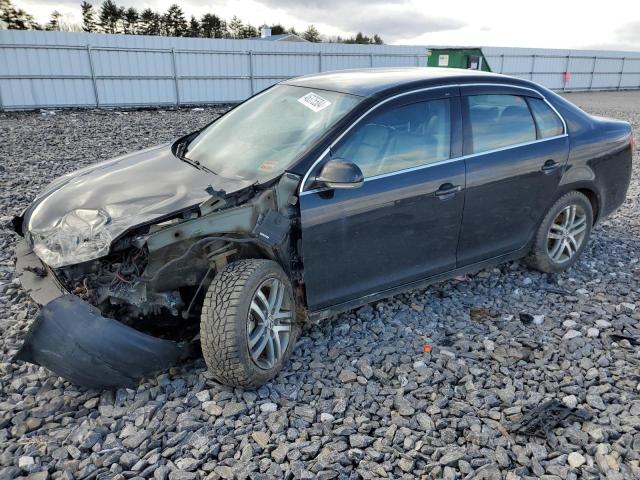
(133, 189)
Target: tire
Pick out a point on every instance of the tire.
(548, 254)
(229, 321)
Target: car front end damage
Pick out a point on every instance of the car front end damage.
(134, 310)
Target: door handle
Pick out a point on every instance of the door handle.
(550, 166)
(447, 190)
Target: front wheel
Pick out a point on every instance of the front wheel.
(248, 325)
(563, 234)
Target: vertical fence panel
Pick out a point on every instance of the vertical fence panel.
(61, 69)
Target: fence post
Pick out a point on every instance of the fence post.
(565, 80)
(320, 61)
(501, 63)
(371, 60)
(533, 66)
(175, 76)
(251, 71)
(93, 76)
(621, 72)
(593, 71)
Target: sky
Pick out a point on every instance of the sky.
(610, 25)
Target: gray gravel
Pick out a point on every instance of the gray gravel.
(360, 398)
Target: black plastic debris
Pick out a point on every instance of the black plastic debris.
(632, 340)
(73, 339)
(541, 421)
(526, 318)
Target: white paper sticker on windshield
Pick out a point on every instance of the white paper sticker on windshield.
(314, 101)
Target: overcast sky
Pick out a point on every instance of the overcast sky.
(611, 24)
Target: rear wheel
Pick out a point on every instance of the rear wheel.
(563, 234)
(248, 326)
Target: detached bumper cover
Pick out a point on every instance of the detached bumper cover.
(71, 338)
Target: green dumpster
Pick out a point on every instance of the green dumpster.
(469, 58)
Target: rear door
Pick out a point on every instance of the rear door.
(403, 223)
(515, 148)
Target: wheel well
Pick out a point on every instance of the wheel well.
(593, 199)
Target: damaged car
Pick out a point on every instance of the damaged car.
(316, 196)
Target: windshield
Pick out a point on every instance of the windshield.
(266, 133)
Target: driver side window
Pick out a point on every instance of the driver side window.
(399, 138)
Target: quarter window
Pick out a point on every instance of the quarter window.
(549, 125)
(499, 121)
(399, 138)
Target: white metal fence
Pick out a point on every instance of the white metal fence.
(569, 70)
(55, 69)
(59, 69)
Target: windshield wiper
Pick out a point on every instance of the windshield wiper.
(181, 151)
(196, 164)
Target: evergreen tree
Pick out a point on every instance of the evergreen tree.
(149, 22)
(88, 17)
(110, 16)
(130, 19)
(174, 23)
(54, 23)
(213, 26)
(311, 34)
(16, 18)
(248, 31)
(235, 27)
(194, 27)
(278, 29)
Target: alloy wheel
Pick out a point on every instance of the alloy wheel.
(269, 323)
(566, 233)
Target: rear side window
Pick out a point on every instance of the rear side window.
(499, 121)
(399, 138)
(549, 124)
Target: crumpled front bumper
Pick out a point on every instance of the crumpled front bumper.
(71, 337)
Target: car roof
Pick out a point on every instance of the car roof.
(368, 82)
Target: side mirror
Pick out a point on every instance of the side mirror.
(339, 173)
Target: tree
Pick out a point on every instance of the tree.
(88, 17)
(235, 27)
(212, 26)
(174, 22)
(194, 27)
(16, 18)
(311, 34)
(278, 29)
(249, 31)
(54, 23)
(130, 20)
(110, 16)
(292, 31)
(363, 39)
(149, 22)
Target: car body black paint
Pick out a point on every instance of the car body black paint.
(394, 232)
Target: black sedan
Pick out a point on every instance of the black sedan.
(313, 197)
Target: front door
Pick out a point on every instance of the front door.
(516, 150)
(403, 223)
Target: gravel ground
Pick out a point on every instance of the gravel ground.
(361, 397)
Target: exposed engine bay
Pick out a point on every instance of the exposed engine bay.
(144, 297)
(159, 291)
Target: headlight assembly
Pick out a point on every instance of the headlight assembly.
(79, 236)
